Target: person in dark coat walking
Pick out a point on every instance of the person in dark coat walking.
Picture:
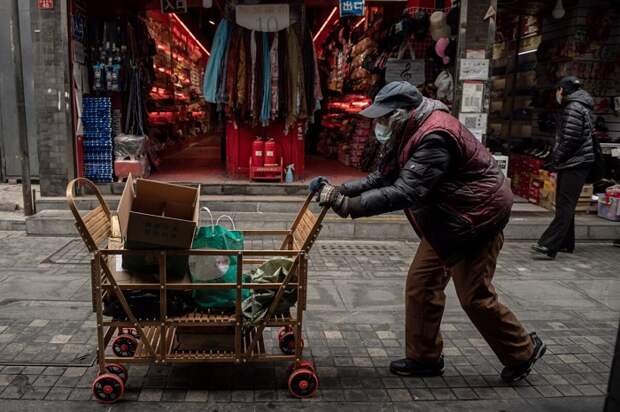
(572, 159)
(459, 202)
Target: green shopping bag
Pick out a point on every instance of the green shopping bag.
(216, 269)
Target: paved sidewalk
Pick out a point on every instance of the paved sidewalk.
(354, 327)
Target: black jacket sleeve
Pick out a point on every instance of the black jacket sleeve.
(572, 133)
(411, 189)
(372, 181)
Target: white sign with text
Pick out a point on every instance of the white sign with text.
(264, 17)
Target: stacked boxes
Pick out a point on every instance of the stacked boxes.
(359, 140)
(547, 192)
(524, 173)
(97, 121)
(609, 204)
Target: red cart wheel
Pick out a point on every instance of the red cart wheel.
(303, 383)
(283, 331)
(129, 331)
(124, 346)
(304, 364)
(287, 343)
(118, 370)
(108, 388)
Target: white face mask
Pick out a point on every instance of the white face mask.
(384, 129)
(382, 133)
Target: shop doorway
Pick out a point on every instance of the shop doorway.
(211, 94)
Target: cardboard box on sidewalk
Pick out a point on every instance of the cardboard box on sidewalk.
(157, 215)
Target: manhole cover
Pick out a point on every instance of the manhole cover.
(358, 249)
(72, 253)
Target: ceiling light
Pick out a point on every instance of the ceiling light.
(325, 23)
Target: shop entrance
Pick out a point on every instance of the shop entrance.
(208, 96)
(537, 44)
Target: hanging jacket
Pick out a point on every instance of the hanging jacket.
(452, 189)
(213, 73)
(574, 146)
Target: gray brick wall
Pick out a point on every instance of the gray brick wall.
(51, 83)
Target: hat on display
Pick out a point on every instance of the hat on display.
(393, 96)
(445, 86)
(439, 25)
(570, 84)
(421, 23)
(441, 49)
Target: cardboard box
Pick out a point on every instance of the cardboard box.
(157, 215)
(587, 191)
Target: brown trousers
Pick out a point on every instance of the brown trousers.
(425, 301)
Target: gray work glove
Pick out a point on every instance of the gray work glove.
(331, 196)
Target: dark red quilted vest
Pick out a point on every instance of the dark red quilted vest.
(473, 199)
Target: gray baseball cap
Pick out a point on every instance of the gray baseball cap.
(394, 95)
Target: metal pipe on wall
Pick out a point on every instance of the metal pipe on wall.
(22, 126)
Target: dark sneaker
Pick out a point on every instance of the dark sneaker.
(516, 373)
(567, 250)
(409, 367)
(543, 252)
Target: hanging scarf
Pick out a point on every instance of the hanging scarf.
(253, 79)
(242, 79)
(265, 114)
(232, 63)
(275, 74)
(296, 104)
(213, 73)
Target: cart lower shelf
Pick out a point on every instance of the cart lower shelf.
(130, 348)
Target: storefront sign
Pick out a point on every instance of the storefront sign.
(474, 69)
(411, 71)
(264, 17)
(502, 162)
(472, 97)
(351, 8)
(45, 4)
(476, 123)
(174, 6)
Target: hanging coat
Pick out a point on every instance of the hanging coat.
(213, 73)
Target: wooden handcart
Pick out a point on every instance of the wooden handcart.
(136, 340)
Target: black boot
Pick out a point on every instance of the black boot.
(410, 367)
(543, 252)
(516, 373)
